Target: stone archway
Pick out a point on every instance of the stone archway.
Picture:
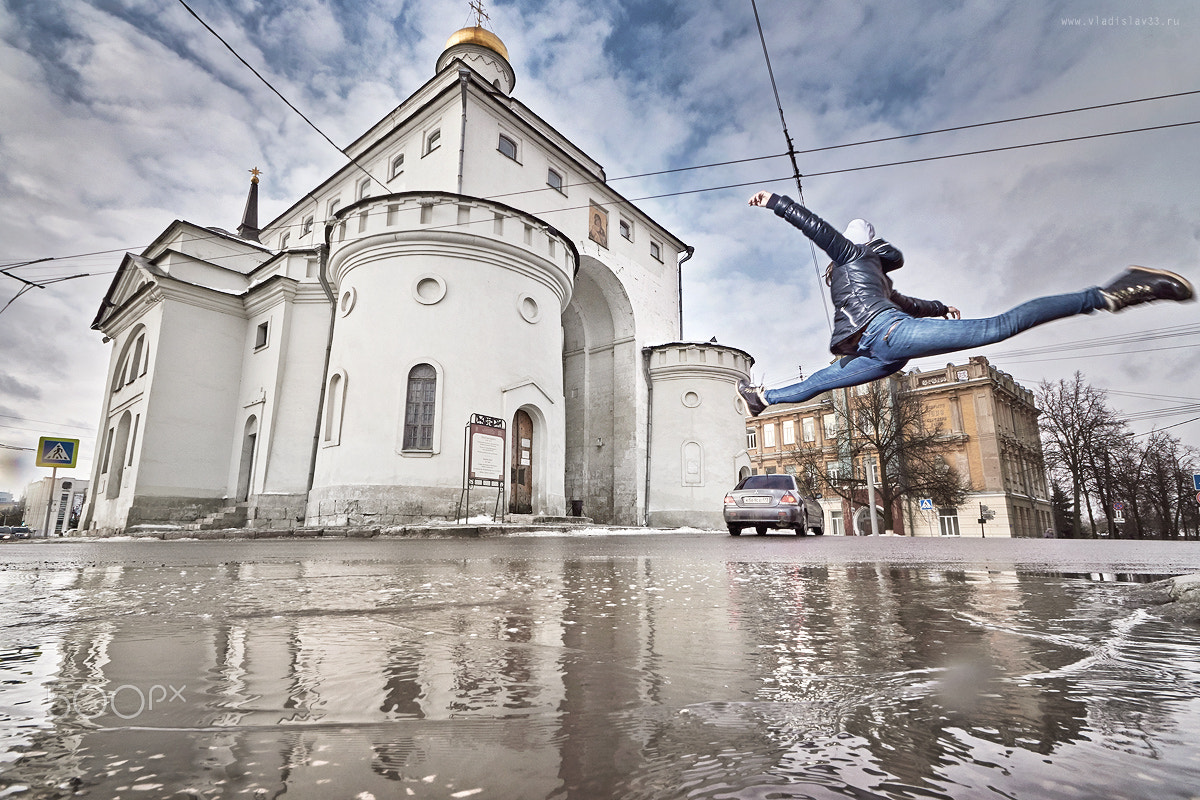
(604, 397)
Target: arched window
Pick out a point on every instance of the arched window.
(133, 360)
(507, 146)
(335, 404)
(419, 408)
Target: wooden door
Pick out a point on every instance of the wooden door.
(520, 490)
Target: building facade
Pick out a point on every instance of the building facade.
(322, 369)
(54, 506)
(988, 433)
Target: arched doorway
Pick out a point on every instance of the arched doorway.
(246, 465)
(520, 489)
(862, 520)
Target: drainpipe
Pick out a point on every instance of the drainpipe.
(463, 76)
(687, 256)
(646, 352)
(322, 275)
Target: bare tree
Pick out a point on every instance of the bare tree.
(880, 422)
(1076, 422)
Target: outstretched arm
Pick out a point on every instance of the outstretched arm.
(924, 308)
(824, 235)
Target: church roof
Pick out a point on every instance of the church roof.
(480, 36)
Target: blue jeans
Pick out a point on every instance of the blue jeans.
(892, 338)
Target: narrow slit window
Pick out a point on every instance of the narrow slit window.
(419, 408)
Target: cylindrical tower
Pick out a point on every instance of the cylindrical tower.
(697, 432)
(447, 306)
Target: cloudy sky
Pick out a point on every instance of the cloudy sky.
(120, 116)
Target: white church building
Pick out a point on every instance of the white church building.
(468, 264)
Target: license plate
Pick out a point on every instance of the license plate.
(756, 501)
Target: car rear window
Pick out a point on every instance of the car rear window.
(768, 482)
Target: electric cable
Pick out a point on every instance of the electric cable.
(279, 94)
(744, 184)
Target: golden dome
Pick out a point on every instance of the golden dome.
(479, 36)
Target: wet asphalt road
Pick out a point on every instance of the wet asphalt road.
(595, 665)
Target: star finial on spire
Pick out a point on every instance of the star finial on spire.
(255, 173)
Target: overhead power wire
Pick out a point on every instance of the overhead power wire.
(1003, 149)
(765, 158)
(791, 152)
(279, 94)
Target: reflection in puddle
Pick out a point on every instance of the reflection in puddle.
(561, 677)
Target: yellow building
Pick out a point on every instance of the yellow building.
(987, 424)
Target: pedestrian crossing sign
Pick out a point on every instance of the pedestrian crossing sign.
(927, 504)
(57, 452)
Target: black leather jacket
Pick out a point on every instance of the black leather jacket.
(859, 285)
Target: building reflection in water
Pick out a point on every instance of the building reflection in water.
(569, 678)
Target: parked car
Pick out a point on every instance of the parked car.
(764, 502)
(8, 533)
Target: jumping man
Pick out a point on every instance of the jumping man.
(877, 330)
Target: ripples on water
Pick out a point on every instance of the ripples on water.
(501, 676)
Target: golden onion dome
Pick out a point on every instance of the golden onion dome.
(478, 36)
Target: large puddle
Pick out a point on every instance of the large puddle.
(495, 671)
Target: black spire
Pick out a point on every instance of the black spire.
(249, 227)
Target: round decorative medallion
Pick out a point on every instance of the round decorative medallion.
(691, 399)
(429, 289)
(530, 311)
(349, 298)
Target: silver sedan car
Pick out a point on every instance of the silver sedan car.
(772, 501)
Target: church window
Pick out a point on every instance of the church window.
(334, 204)
(433, 140)
(135, 362)
(656, 251)
(626, 229)
(507, 147)
(133, 437)
(132, 362)
(107, 450)
(397, 166)
(260, 336)
(283, 239)
(364, 189)
(555, 181)
(307, 226)
(419, 408)
(335, 403)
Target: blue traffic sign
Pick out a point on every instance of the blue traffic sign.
(57, 452)
(1196, 480)
(927, 504)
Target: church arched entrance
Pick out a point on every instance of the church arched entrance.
(520, 490)
(246, 465)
